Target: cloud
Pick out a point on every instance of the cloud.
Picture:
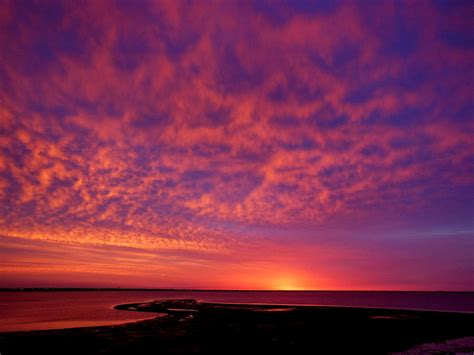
(183, 126)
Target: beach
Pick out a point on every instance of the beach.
(189, 326)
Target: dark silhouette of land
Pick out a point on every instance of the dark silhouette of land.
(189, 326)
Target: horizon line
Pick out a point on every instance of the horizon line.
(202, 290)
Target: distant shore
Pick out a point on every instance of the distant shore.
(57, 289)
(190, 326)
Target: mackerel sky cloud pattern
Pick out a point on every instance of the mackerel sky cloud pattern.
(237, 144)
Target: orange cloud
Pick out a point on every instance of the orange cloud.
(213, 127)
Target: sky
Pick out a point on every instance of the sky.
(237, 144)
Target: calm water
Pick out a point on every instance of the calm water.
(55, 310)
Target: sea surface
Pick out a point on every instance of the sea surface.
(39, 310)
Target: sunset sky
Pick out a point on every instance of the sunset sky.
(237, 144)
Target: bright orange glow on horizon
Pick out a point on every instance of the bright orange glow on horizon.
(288, 284)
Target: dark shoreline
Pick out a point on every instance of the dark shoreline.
(201, 328)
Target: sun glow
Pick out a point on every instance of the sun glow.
(288, 284)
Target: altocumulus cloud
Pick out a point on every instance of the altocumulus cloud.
(221, 133)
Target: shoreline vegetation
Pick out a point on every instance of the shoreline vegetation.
(190, 326)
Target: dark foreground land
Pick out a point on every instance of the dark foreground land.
(193, 327)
